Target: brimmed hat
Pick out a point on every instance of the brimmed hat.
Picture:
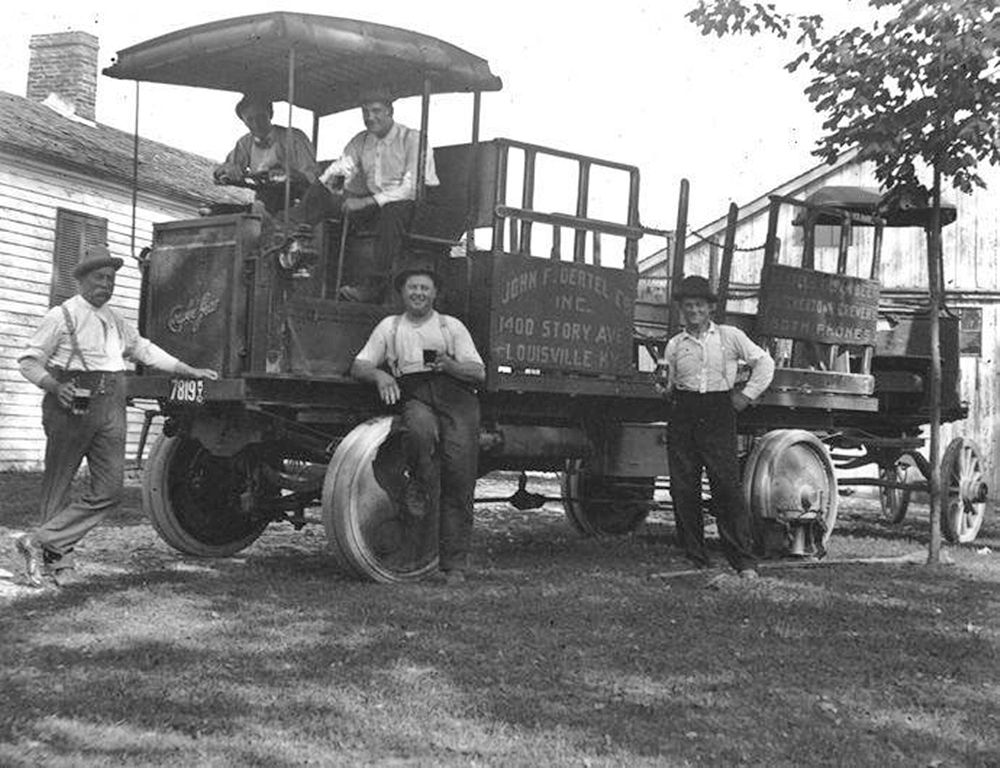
(695, 287)
(417, 268)
(380, 94)
(95, 257)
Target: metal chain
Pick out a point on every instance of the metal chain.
(720, 245)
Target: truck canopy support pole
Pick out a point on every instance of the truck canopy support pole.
(425, 108)
(470, 202)
(288, 132)
(135, 169)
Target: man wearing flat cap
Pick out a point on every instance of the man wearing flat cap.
(265, 153)
(374, 182)
(77, 356)
(702, 363)
(428, 363)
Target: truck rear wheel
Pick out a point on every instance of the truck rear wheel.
(193, 499)
(600, 505)
(371, 534)
(895, 501)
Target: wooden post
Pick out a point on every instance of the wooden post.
(726, 268)
(582, 195)
(527, 200)
(677, 269)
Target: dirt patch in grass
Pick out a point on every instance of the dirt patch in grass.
(559, 651)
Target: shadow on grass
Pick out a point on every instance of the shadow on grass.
(558, 651)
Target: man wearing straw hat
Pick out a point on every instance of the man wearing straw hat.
(77, 356)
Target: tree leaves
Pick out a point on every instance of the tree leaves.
(914, 89)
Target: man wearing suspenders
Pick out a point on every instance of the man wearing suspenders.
(76, 356)
(433, 367)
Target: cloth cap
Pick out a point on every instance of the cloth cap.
(417, 268)
(95, 257)
(695, 287)
(251, 99)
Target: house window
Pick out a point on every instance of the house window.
(75, 231)
(827, 236)
(970, 331)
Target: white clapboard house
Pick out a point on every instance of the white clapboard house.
(66, 181)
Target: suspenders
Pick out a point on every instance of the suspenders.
(74, 344)
(392, 351)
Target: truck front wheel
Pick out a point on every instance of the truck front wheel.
(194, 498)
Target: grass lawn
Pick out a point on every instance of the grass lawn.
(558, 651)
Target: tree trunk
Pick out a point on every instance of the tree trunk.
(935, 284)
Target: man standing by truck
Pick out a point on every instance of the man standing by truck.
(701, 364)
(433, 368)
(76, 356)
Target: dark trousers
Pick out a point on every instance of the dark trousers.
(99, 436)
(440, 427)
(389, 223)
(701, 436)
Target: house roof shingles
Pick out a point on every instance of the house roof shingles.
(35, 131)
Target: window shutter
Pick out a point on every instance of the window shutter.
(75, 231)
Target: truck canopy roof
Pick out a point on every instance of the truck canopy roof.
(899, 207)
(336, 60)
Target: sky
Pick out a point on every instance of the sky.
(632, 81)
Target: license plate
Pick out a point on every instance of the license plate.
(187, 391)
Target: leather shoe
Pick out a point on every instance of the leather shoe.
(454, 577)
(33, 557)
(65, 577)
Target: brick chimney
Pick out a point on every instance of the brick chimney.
(64, 64)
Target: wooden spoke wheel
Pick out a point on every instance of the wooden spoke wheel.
(963, 481)
(895, 501)
(598, 505)
(791, 492)
(371, 534)
(195, 499)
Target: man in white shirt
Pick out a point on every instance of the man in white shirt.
(433, 367)
(374, 183)
(77, 356)
(702, 362)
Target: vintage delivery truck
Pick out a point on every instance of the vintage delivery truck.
(549, 296)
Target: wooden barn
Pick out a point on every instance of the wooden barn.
(66, 182)
(970, 269)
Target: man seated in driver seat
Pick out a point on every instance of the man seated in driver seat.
(260, 155)
(374, 183)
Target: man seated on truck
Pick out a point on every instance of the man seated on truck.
(258, 159)
(428, 363)
(374, 184)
